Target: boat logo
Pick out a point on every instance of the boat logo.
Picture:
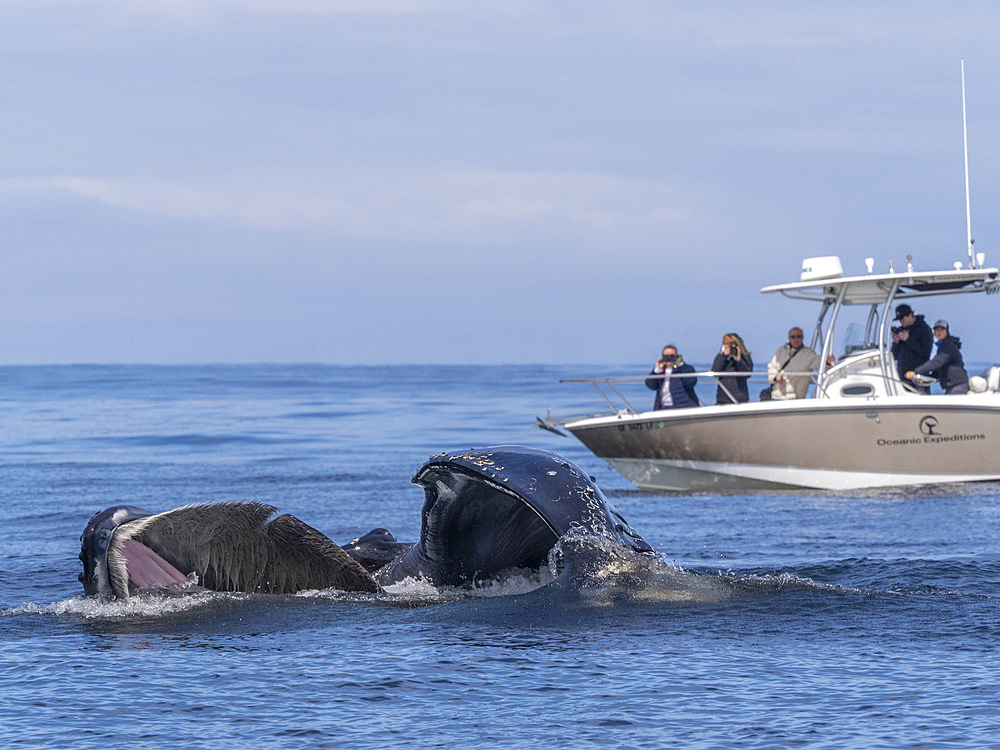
(928, 425)
(930, 433)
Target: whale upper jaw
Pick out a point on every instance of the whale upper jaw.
(95, 544)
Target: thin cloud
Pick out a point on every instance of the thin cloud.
(453, 206)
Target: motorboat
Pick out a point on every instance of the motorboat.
(860, 426)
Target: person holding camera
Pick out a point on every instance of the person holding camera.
(912, 342)
(947, 365)
(672, 392)
(733, 357)
(794, 356)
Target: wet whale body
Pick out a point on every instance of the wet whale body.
(486, 512)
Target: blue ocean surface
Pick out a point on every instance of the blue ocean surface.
(772, 620)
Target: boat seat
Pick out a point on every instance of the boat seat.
(992, 376)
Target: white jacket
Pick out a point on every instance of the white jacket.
(791, 360)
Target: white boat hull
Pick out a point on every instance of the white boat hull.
(831, 445)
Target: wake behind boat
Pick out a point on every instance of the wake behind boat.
(860, 427)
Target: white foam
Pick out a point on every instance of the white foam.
(150, 605)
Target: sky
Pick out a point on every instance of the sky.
(411, 181)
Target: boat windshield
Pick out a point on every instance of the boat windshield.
(855, 340)
(856, 330)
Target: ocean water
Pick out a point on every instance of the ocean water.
(862, 620)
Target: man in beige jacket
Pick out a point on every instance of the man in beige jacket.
(791, 357)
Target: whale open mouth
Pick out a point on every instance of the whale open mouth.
(220, 547)
(96, 544)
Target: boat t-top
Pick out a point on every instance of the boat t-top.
(860, 426)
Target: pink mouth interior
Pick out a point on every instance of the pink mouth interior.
(146, 569)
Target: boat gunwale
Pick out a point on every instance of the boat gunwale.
(914, 402)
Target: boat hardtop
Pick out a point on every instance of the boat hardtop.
(822, 279)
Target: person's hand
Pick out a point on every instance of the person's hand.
(910, 374)
(904, 335)
(779, 378)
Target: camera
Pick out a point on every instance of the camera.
(895, 329)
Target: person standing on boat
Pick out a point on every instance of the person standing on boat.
(947, 365)
(912, 342)
(794, 356)
(672, 393)
(733, 357)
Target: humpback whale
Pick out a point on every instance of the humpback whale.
(486, 512)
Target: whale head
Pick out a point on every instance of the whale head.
(496, 509)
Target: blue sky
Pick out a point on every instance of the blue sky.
(376, 181)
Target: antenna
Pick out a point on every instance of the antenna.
(965, 140)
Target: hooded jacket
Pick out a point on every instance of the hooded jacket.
(947, 366)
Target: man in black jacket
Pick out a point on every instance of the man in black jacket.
(912, 342)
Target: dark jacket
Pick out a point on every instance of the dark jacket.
(916, 350)
(947, 366)
(681, 389)
(736, 386)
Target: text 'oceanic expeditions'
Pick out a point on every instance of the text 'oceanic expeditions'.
(929, 439)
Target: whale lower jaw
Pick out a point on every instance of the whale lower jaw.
(220, 547)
